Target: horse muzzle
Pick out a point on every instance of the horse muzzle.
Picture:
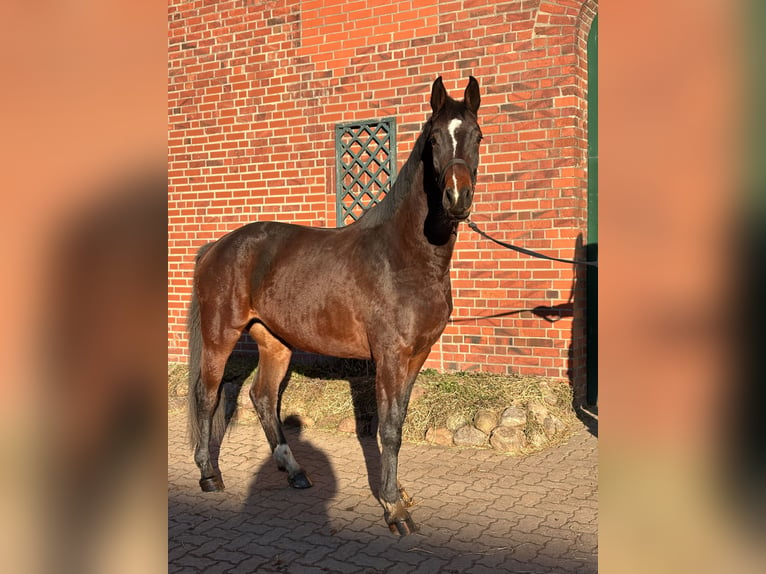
(459, 208)
(457, 189)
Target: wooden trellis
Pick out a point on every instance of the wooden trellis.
(365, 164)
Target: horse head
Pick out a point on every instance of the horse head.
(454, 147)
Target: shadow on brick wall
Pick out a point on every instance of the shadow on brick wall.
(582, 354)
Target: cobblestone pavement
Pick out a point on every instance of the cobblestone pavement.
(477, 511)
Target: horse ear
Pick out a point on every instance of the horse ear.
(438, 95)
(472, 98)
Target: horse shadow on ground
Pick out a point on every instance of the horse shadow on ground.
(274, 502)
(360, 375)
(361, 379)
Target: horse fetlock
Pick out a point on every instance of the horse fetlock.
(285, 459)
(207, 471)
(396, 511)
(398, 518)
(296, 477)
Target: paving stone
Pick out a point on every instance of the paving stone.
(431, 566)
(480, 511)
(220, 567)
(526, 552)
(508, 564)
(480, 569)
(463, 563)
(333, 565)
(303, 568)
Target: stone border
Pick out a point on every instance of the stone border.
(530, 425)
(522, 428)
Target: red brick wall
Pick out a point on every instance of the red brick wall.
(254, 92)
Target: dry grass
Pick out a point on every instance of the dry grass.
(331, 392)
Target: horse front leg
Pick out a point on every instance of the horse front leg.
(393, 386)
(395, 505)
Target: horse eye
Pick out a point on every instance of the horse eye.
(432, 141)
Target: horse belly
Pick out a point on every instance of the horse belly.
(348, 347)
(320, 313)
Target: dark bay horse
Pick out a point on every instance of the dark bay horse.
(378, 288)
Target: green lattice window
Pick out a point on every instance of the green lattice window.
(366, 166)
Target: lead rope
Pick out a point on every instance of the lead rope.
(475, 227)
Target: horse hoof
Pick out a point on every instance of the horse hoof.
(300, 480)
(403, 526)
(211, 484)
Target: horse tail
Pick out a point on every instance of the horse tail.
(196, 387)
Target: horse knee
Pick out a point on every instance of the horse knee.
(390, 436)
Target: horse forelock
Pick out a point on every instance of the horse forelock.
(454, 109)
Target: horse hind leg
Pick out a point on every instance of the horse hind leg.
(210, 412)
(264, 393)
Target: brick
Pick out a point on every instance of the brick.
(247, 75)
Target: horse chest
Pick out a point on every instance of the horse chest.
(423, 309)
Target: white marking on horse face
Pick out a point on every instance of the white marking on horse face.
(452, 128)
(454, 194)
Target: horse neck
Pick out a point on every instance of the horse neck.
(419, 227)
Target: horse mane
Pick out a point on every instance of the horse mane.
(384, 210)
